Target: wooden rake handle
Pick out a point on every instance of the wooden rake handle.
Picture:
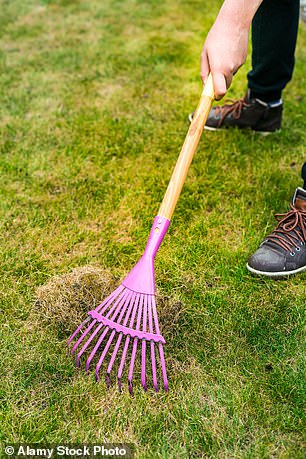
(187, 152)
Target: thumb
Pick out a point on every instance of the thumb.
(220, 85)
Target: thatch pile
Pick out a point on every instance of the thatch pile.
(66, 299)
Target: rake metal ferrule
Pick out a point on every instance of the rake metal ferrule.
(126, 330)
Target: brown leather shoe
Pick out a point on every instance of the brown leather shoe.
(245, 113)
(283, 252)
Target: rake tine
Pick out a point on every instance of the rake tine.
(143, 346)
(154, 367)
(83, 336)
(132, 363)
(123, 299)
(116, 306)
(122, 363)
(112, 360)
(109, 368)
(78, 329)
(143, 364)
(123, 360)
(110, 339)
(124, 302)
(153, 361)
(97, 345)
(78, 359)
(135, 343)
(109, 342)
(163, 365)
(160, 347)
(104, 305)
(131, 326)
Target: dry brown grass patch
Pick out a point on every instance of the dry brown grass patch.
(67, 298)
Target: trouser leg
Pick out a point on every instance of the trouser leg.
(304, 175)
(274, 34)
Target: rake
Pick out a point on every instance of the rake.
(127, 319)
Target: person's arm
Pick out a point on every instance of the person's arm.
(226, 46)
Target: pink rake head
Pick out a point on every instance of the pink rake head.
(128, 317)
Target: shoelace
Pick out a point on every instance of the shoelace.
(290, 231)
(234, 106)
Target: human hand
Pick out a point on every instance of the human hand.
(224, 52)
(226, 46)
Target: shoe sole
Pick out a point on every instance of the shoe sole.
(276, 275)
(209, 128)
(263, 133)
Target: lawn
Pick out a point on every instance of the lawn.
(94, 104)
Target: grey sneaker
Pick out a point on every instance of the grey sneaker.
(283, 252)
(245, 113)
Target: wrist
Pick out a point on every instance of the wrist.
(239, 13)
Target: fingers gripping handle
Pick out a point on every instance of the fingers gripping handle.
(188, 150)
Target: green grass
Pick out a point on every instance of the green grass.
(94, 99)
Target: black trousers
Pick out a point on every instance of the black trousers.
(274, 34)
(304, 175)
